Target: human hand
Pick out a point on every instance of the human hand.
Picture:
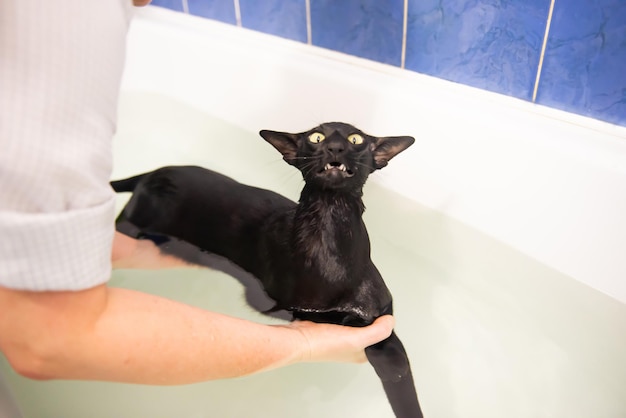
(141, 3)
(338, 343)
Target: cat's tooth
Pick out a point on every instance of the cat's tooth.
(342, 167)
(327, 167)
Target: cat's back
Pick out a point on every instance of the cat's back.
(181, 180)
(203, 207)
(206, 189)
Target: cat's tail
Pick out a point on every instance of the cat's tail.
(126, 185)
(391, 363)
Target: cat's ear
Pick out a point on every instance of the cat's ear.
(284, 142)
(388, 147)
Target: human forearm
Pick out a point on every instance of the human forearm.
(147, 339)
(140, 338)
(126, 336)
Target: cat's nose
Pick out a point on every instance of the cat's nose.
(335, 147)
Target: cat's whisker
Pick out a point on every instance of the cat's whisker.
(307, 167)
(273, 162)
(358, 163)
(290, 180)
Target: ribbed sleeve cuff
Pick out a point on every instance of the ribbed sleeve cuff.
(57, 251)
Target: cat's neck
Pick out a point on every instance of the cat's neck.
(315, 199)
(329, 235)
(330, 221)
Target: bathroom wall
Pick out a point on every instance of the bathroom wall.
(570, 55)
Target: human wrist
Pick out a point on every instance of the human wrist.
(294, 342)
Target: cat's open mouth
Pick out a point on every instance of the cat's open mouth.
(337, 167)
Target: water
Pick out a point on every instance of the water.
(490, 332)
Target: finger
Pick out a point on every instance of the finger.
(141, 3)
(379, 330)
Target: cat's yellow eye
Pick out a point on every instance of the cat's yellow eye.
(355, 139)
(316, 137)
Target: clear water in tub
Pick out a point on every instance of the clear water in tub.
(489, 331)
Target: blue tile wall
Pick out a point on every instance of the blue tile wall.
(170, 4)
(285, 18)
(366, 28)
(584, 68)
(494, 45)
(222, 10)
(490, 44)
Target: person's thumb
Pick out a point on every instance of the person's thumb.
(380, 329)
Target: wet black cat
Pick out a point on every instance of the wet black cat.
(312, 258)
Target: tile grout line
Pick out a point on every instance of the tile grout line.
(237, 13)
(405, 19)
(309, 37)
(543, 51)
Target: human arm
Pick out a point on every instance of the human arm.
(131, 253)
(121, 335)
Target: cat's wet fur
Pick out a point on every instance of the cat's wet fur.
(311, 258)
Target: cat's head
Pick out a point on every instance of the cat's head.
(335, 154)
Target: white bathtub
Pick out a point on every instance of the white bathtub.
(549, 183)
(501, 232)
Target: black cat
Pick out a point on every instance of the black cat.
(312, 258)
